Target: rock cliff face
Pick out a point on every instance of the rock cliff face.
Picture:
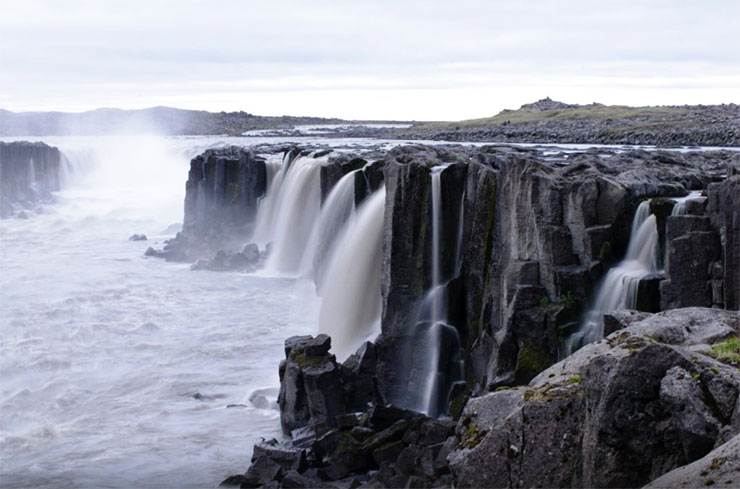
(222, 192)
(525, 240)
(537, 235)
(29, 172)
(221, 198)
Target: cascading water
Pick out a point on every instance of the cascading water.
(619, 288)
(265, 221)
(351, 302)
(433, 350)
(680, 208)
(336, 216)
(296, 210)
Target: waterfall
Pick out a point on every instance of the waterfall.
(297, 203)
(432, 359)
(268, 203)
(351, 302)
(336, 215)
(680, 208)
(619, 288)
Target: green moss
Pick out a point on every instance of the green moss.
(472, 436)
(502, 388)
(727, 351)
(695, 375)
(717, 462)
(709, 482)
(544, 301)
(531, 360)
(574, 379)
(457, 405)
(568, 300)
(305, 361)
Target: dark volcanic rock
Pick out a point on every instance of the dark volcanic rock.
(223, 188)
(316, 390)
(538, 234)
(618, 413)
(29, 173)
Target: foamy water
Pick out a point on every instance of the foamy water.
(117, 370)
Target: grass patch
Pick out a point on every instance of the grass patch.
(727, 351)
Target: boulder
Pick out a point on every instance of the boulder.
(617, 413)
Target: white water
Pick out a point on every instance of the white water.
(680, 208)
(619, 288)
(433, 329)
(351, 302)
(102, 350)
(296, 208)
(337, 215)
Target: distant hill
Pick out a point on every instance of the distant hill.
(165, 120)
(549, 121)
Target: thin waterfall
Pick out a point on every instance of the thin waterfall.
(432, 354)
(680, 208)
(351, 302)
(619, 288)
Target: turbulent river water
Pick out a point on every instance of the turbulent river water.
(118, 370)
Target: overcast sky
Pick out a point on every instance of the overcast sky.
(378, 59)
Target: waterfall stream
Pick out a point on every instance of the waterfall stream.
(619, 288)
(680, 208)
(351, 302)
(296, 209)
(433, 349)
(336, 245)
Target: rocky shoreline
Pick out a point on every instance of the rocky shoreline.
(530, 235)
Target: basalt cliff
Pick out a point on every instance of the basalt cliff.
(477, 372)
(29, 173)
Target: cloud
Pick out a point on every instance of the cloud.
(366, 58)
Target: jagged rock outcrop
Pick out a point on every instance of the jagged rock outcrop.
(618, 413)
(222, 192)
(315, 389)
(221, 198)
(341, 431)
(29, 173)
